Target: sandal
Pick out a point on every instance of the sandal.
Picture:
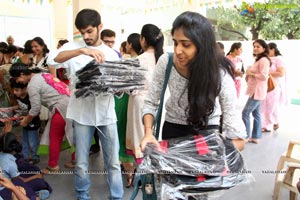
(130, 179)
(254, 140)
(265, 130)
(50, 170)
(70, 164)
(275, 127)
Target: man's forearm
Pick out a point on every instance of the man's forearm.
(66, 55)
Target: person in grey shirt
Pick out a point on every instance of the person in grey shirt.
(44, 89)
(201, 87)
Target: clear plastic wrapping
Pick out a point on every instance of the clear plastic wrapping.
(110, 77)
(8, 113)
(190, 155)
(200, 166)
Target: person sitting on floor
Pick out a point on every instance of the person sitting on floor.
(11, 165)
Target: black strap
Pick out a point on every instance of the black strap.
(161, 103)
(157, 121)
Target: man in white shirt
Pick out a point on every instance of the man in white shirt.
(90, 113)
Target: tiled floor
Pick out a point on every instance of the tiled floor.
(259, 158)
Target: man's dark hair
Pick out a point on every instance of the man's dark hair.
(107, 33)
(87, 17)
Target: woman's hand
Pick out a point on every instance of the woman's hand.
(240, 74)
(148, 138)
(239, 143)
(24, 122)
(18, 191)
(5, 182)
(249, 72)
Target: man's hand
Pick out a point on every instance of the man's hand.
(98, 55)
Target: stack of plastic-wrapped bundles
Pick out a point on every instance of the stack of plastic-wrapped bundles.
(195, 166)
(110, 77)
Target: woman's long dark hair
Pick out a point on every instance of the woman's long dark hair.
(205, 78)
(17, 69)
(273, 45)
(234, 46)
(134, 40)
(266, 51)
(154, 37)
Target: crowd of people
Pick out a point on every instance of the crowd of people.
(38, 85)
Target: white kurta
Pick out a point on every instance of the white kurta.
(135, 127)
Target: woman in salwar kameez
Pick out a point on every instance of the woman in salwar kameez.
(44, 89)
(270, 105)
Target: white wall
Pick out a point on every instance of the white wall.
(24, 28)
(25, 21)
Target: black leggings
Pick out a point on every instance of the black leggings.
(171, 130)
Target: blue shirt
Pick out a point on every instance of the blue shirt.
(8, 166)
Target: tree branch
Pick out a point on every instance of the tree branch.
(259, 26)
(233, 31)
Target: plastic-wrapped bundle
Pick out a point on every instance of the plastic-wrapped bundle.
(193, 155)
(110, 77)
(178, 166)
(8, 114)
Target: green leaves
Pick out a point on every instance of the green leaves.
(275, 19)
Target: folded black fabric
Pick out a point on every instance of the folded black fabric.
(191, 155)
(110, 77)
(195, 163)
(235, 175)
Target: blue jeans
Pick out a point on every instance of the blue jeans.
(110, 147)
(252, 106)
(30, 143)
